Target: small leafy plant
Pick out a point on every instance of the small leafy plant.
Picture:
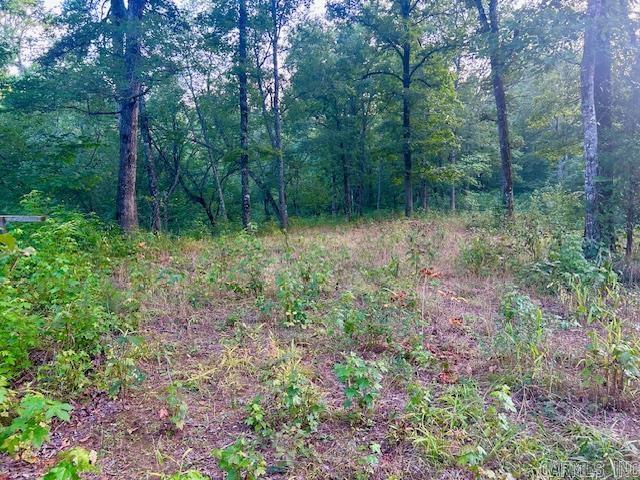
(521, 329)
(481, 256)
(31, 426)
(612, 360)
(120, 371)
(177, 405)
(67, 373)
(72, 463)
(240, 460)
(362, 379)
(292, 299)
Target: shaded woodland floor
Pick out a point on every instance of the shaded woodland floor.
(212, 320)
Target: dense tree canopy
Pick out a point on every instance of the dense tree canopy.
(240, 112)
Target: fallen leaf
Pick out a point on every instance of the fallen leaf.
(456, 322)
(447, 377)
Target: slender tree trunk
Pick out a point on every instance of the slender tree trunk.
(214, 161)
(406, 112)
(602, 93)
(632, 127)
(267, 192)
(277, 121)
(631, 220)
(346, 184)
(379, 189)
(590, 129)
(491, 26)
(453, 157)
(425, 196)
(244, 115)
(126, 207)
(362, 188)
(334, 195)
(152, 175)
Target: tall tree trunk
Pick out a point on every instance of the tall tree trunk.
(126, 207)
(152, 175)
(453, 158)
(244, 114)
(632, 127)
(379, 186)
(630, 224)
(334, 195)
(277, 121)
(362, 154)
(425, 195)
(406, 110)
(490, 25)
(602, 92)
(346, 183)
(590, 130)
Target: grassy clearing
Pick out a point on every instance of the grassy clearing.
(391, 349)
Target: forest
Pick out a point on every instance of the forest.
(309, 239)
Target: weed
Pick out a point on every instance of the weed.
(521, 330)
(293, 402)
(188, 475)
(240, 460)
(177, 405)
(72, 463)
(257, 417)
(293, 300)
(612, 361)
(482, 256)
(31, 425)
(120, 371)
(68, 372)
(362, 380)
(296, 398)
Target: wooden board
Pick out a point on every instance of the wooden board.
(4, 219)
(22, 218)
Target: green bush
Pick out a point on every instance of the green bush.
(521, 330)
(240, 461)
(482, 256)
(71, 464)
(565, 264)
(67, 374)
(55, 294)
(31, 425)
(293, 300)
(362, 379)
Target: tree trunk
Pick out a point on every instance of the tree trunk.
(334, 202)
(152, 175)
(590, 130)
(126, 208)
(277, 122)
(425, 196)
(501, 108)
(346, 183)
(602, 92)
(629, 228)
(244, 115)
(406, 112)
(214, 161)
(362, 141)
(452, 192)
(379, 186)
(490, 25)
(632, 128)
